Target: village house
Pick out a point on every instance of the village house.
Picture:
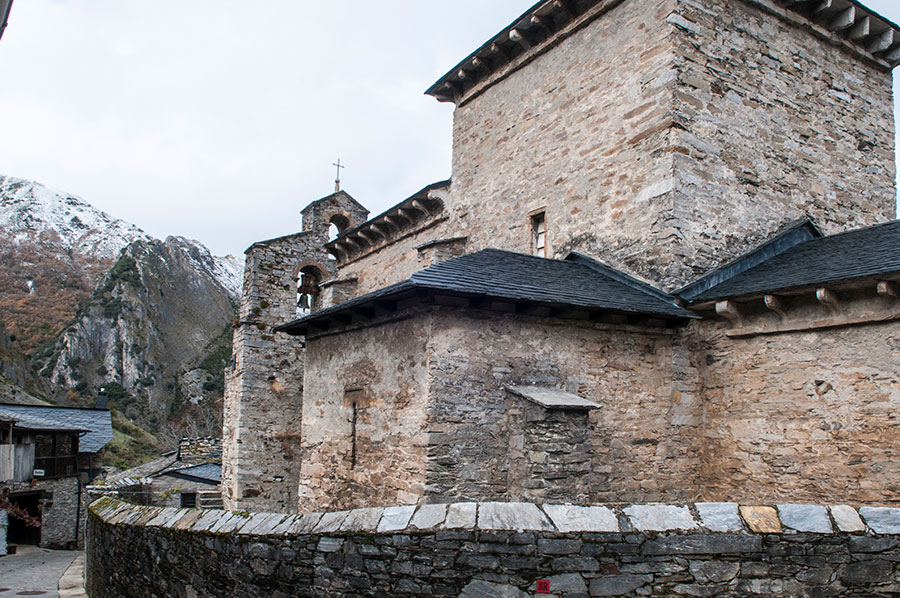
(665, 268)
(187, 477)
(47, 457)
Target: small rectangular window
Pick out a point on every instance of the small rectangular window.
(539, 235)
(188, 500)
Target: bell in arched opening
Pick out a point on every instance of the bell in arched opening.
(308, 290)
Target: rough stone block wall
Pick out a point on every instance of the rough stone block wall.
(264, 386)
(59, 516)
(581, 132)
(364, 405)
(263, 398)
(642, 439)
(549, 452)
(478, 550)
(668, 136)
(804, 415)
(773, 123)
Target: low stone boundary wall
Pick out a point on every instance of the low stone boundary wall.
(495, 550)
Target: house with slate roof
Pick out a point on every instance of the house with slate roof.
(47, 457)
(666, 268)
(187, 477)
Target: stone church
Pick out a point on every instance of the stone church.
(665, 268)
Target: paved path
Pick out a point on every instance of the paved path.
(34, 571)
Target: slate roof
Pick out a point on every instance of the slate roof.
(208, 472)
(37, 424)
(576, 282)
(862, 253)
(96, 422)
(793, 234)
(147, 470)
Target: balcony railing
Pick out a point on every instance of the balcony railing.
(57, 467)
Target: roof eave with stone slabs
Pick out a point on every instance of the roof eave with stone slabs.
(846, 22)
(390, 224)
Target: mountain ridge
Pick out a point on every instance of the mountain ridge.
(90, 301)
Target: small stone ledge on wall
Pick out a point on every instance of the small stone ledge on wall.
(495, 550)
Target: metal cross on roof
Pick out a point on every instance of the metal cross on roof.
(337, 179)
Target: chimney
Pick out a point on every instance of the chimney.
(102, 399)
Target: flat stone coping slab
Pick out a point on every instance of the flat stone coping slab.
(847, 519)
(882, 520)
(660, 518)
(805, 518)
(519, 516)
(729, 520)
(569, 518)
(720, 516)
(551, 398)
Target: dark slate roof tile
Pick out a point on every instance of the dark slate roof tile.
(861, 253)
(519, 277)
(576, 282)
(208, 472)
(97, 422)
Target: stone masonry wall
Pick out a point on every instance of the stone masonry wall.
(365, 399)
(60, 514)
(668, 136)
(804, 415)
(510, 550)
(581, 132)
(773, 124)
(263, 394)
(642, 439)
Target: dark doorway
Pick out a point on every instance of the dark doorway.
(19, 532)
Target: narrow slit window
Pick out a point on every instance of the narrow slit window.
(353, 437)
(539, 235)
(352, 403)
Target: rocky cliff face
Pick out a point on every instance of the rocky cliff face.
(155, 332)
(15, 373)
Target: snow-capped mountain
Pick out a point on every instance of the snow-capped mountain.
(32, 212)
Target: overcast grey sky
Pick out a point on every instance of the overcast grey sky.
(219, 120)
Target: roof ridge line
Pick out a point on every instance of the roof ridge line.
(791, 235)
(618, 275)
